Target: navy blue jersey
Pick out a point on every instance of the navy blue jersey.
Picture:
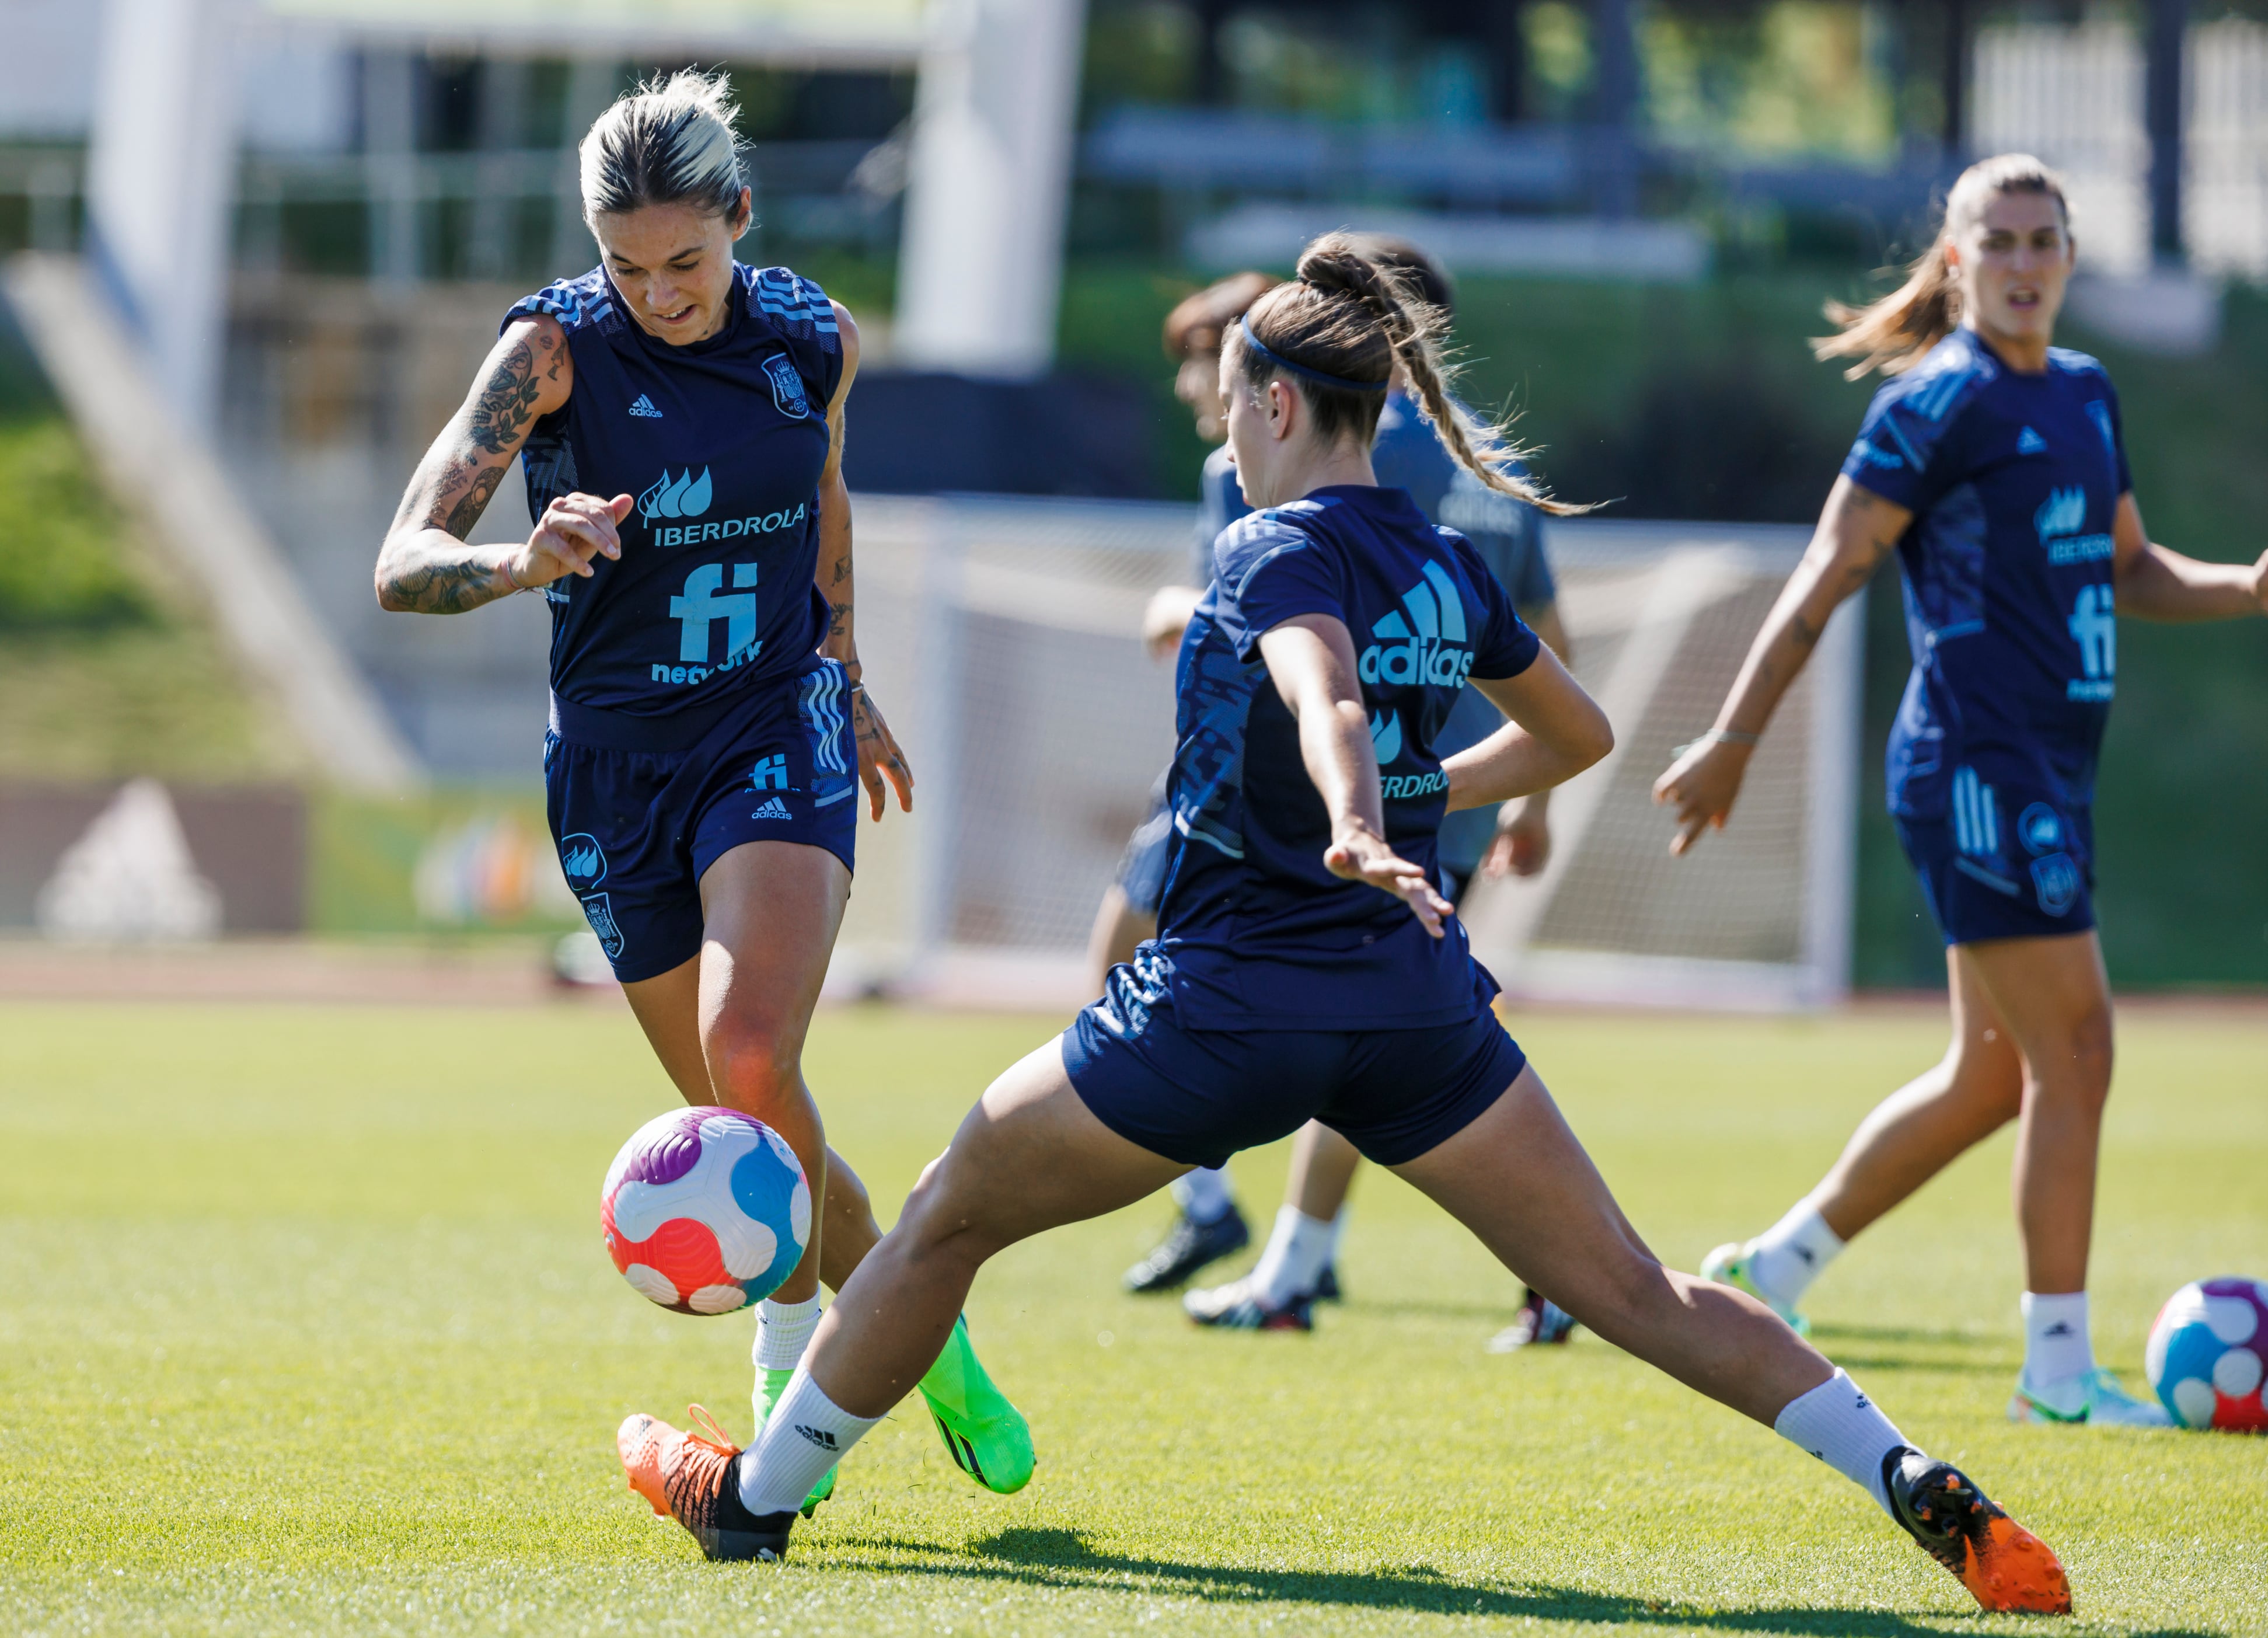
(1508, 534)
(1258, 933)
(722, 442)
(2012, 480)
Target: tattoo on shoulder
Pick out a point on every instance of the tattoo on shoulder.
(507, 403)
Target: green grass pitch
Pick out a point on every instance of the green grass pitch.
(305, 1326)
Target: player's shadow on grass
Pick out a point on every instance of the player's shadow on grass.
(1063, 1558)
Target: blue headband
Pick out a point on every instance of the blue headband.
(1317, 376)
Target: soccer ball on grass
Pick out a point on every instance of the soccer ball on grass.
(705, 1210)
(2208, 1353)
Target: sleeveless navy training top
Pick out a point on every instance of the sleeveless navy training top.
(722, 442)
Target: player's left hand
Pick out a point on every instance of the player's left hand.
(1360, 854)
(2260, 582)
(1522, 844)
(879, 756)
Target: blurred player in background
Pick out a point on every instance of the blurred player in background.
(1297, 1266)
(1995, 466)
(1307, 965)
(709, 729)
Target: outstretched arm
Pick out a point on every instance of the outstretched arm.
(2156, 584)
(878, 755)
(1857, 529)
(426, 565)
(1311, 660)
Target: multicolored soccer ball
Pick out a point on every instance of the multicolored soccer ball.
(2208, 1354)
(705, 1210)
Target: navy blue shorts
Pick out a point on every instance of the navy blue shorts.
(1987, 878)
(1199, 1096)
(641, 807)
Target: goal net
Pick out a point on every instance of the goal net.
(1002, 638)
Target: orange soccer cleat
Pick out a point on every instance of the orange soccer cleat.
(2002, 1564)
(693, 1478)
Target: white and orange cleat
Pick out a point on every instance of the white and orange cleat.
(2004, 1566)
(693, 1478)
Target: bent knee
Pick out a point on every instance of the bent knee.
(754, 1068)
(1988, 1086)
(2075, 1064)
(947, 1213)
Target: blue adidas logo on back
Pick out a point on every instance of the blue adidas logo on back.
(2030, 443)
(645, 408)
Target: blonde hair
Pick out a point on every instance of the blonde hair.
(1891, 334)
(1347, 312)
(669, 142)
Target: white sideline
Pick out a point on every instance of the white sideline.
(171, 481)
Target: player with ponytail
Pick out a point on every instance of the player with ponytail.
(1307, 966)
(1994, 464)
(1297, 1266)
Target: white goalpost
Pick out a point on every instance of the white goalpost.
(1001, 637)
(1757, 916)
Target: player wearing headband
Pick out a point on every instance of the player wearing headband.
(1307, 965)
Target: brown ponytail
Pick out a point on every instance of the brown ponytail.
(1348, 315)
(1893, 333)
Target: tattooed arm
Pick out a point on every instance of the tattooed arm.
(426, 565)
(1857, 529)
(878, 755)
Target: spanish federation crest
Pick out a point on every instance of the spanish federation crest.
(600, 913)
(787, 387)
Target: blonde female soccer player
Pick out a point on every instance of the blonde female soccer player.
(1306, 966)
(678, 420)
(1994, 464)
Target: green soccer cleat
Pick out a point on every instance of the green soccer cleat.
(2095, 1399)
(986, 1436)
(1728, 1266)
(770, 1385)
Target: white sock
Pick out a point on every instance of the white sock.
(808, 1433)
(2057, 1346)
(1298, 1248)
(782, 1331)
(1338, 1227)
(1204, 1195)
(1842, 1427)
(1792, 1252)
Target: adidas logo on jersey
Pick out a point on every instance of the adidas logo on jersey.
(2030, 443)
(1434, 652)
(772, 809)
(645, 408)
